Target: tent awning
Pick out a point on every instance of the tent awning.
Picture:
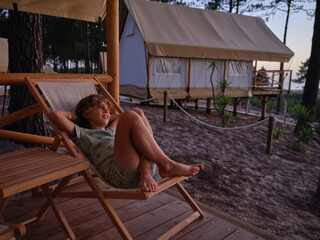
(176, 31)
(84, 10)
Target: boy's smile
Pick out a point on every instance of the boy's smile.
(98, 115)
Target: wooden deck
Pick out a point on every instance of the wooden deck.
(143, 219)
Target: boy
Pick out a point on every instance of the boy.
(121, 147)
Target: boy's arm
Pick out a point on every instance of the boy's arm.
(113, 122)
(64, 121)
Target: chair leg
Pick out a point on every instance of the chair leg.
(107, 206)
(64, 182)
(3, 203)
(181, 225)
(189, 200)
(57, 211)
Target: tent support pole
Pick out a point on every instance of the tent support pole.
(224, 69)
(255, 74)
(113, 46)
(148, 76)
(189, 76)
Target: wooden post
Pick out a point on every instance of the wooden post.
(264, 101)
(113, 47)
(189, 76)
(148, 73)
(234, 113)
(248, 106)
(165, 106)
(255, 75)
(271, 125)
(208, 105)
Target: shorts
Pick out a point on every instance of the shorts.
(121, 176)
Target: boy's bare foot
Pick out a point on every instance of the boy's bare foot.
(148, 184)
(179, 169)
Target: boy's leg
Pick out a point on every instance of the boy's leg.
(133, 139)
(144, 119)
(147, 181)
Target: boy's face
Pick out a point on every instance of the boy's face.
(98, 115)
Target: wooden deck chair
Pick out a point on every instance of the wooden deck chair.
(11, 230)
(63, 94)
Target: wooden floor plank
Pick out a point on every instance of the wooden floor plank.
(162, 228)
(101, 222)
(147, 221)
(144, 219)
(242, 234)
(212, 230)
(85, 213)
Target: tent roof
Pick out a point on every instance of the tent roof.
(176, 31)
(75, 9)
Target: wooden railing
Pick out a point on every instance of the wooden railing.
(271, 79)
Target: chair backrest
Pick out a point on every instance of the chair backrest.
(64, 94)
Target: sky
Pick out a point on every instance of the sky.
(299, 37)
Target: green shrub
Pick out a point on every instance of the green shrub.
(277, 132)
(303, 129)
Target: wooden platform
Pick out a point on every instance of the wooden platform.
(144, 220)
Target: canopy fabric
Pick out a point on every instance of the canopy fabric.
(75, 9)
(177, 31)
(3, 55)
(59, 97)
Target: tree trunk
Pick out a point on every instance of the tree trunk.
(74, 49)
(87, 48)
(238, 4)
(311, 87)
(281, 76)
(230, 5)
(25, 56)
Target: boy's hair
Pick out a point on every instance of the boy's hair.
(86, 103)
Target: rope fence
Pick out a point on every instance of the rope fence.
(142, 101)
(271, 125)
(213, 126)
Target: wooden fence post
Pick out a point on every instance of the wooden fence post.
(271, 125)
(165, 106)
(208, 110)
(248, 106)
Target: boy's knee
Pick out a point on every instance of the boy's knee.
(129, 115)
(138, 111)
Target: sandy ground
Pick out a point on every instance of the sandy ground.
(275, 192)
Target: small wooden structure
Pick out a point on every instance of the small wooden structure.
(35, 167)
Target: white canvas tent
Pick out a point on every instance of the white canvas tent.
(168, 47)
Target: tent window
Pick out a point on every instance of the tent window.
(238, 68)
(168, 65)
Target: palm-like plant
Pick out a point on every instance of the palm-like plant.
(219, 102)
(304, 125)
